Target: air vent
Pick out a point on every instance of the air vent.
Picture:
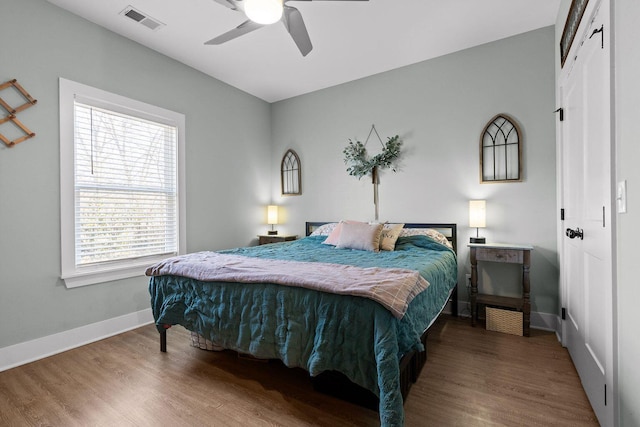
(142, 18)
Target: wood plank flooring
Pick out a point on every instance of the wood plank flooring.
(472, 378)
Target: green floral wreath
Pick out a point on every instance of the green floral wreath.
(355, 155)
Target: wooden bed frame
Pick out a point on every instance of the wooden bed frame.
(337, 384)
(411, 364)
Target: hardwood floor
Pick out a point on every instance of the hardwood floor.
(472, 378)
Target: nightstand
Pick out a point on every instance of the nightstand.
(505, 253)
(264, 239)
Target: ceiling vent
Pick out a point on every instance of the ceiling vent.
(142, 18)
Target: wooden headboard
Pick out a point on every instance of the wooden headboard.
(448, 230)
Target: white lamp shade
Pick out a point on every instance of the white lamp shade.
(263, 11)
(477, 213)
(272, 214)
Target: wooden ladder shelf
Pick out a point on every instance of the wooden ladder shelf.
(13, 111)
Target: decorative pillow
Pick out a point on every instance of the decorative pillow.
(434, 234)
(324, 229)
(360, 236)
(334, 235)
(389, 235)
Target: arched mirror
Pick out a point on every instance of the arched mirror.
(501, 151)
(290, 174)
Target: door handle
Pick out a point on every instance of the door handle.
(572, 234)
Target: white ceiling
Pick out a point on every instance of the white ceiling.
(351, 39)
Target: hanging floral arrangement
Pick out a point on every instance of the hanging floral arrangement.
(360, 164)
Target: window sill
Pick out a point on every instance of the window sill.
(101, 274)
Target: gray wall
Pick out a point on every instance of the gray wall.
(627, 91)
(42, 43)
(439, 108)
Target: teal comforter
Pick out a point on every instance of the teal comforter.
(314, 330)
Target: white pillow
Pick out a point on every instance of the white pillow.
(334, 236)
(324, 229)
(360, 236)
(430, 232)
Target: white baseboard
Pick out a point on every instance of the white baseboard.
(30, 351)
(543, 321)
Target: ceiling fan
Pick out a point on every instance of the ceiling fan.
(276, 10)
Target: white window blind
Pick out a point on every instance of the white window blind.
(125, 186)
(122, 185)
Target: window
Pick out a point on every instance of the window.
(121, 178)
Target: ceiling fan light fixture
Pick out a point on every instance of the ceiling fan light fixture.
(263, 12)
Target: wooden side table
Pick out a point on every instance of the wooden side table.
(264, 239)
(505, 253)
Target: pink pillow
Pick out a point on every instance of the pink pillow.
(334, 236)
(360, 236)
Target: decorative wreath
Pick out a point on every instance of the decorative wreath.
(360, 164)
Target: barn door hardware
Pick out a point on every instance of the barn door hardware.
(561, 111)
(601, 31)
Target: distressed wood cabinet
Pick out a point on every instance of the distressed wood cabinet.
(502, 253)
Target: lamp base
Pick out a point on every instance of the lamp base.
(272, 232)
(477, 240)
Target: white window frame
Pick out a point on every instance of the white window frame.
(73, 275)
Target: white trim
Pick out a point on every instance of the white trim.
(90, 276)
(542, 321)
(545, 321)
(70, 91)
(30, 351)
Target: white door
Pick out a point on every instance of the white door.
(586, 178)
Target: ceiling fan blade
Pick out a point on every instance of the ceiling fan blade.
(227, 3)
(292, 19)
(240, 30)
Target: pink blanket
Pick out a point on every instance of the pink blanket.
(394, 288)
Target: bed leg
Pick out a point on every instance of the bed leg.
(454, 302)
(163, 341)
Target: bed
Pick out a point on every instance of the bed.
(378, 346)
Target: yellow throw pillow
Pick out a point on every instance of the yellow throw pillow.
(389, 236)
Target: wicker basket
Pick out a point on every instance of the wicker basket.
(507, 321)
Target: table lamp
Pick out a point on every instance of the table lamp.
(477, 218)
(272, 218)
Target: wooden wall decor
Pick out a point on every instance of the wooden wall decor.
(501, 150)
(11, 117)
(576, 10)
(291, 174)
